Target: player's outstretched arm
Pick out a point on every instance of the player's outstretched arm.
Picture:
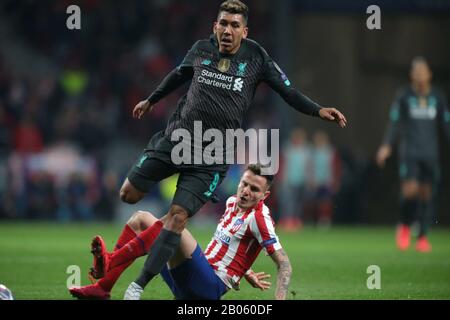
(334, 115)
(284, 273)
(279, 82)
(257, 279)
(177, 77)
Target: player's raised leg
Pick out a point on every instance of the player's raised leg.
(139, 222)
(185, 251)
(143, 175)
(194, 189)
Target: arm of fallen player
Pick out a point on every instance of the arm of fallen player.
(284, 273)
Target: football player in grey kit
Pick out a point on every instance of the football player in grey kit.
(224, 72)
(416, 113)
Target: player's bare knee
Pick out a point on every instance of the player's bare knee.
(410, 190)
(128, 196)
(123, 195)
(141, 220)
(134, 223)
(146, 219)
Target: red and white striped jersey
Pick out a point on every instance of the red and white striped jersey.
(239, 239)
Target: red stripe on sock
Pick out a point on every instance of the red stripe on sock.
(137, 247)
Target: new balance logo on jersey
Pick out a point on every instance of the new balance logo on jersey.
(238, 83)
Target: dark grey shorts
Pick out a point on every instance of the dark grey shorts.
(421, 170)
(196, 184)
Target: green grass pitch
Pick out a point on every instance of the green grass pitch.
(326, 264)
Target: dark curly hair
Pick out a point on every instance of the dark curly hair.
(235, 7)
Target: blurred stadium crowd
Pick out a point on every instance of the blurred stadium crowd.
(67, 137)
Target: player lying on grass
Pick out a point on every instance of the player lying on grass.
(245, 228)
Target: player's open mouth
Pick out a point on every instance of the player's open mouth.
(226, 41)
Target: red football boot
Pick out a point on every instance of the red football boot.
(403, 237)
(101, 259)
(423, 245)
(90, 292)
